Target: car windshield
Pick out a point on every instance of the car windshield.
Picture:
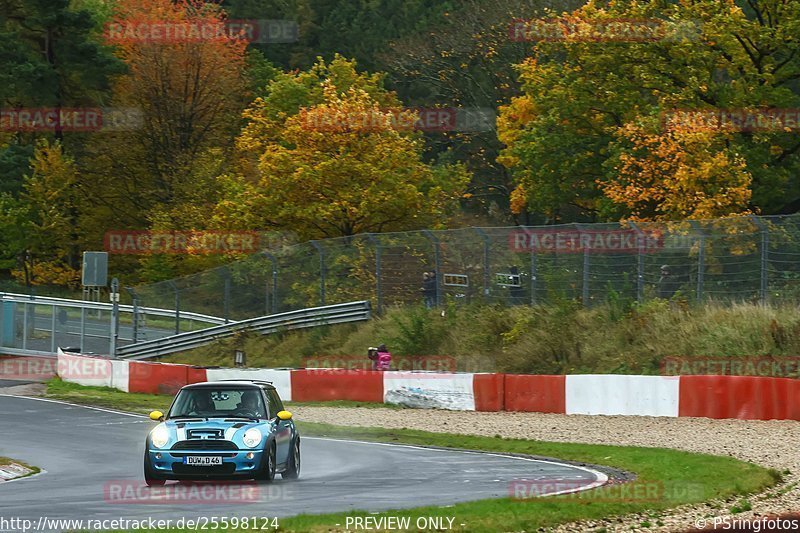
(213, 403)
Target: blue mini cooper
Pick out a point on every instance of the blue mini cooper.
(223, 430)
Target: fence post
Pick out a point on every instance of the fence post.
(763, 290)
(437, 261)
(640, 239)
(586, 266)
(174, 288)
(701, 260)
(274, 262)
(227, 295)
(533, 275)
(321, 251)
(378, 285)
(486, 251)
(135, 319)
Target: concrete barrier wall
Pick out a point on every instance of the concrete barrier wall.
(621, 395)
(429, 390)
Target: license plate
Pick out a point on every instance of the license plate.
(202, 460)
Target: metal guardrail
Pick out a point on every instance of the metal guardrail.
(103, 306)
(304, 318)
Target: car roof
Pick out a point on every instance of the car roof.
(233, 383)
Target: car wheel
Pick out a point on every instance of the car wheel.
(268, 470)
(150, 478)
(293, 469)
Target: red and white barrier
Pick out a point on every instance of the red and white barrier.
(753, 398)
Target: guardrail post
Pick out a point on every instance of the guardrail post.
(437, 261)
(322, 272)
(378, 286)
(487, 243)
(53, 328)
(25, 325)
(83, 329)
(114, 317)
(764, 287)
(640, 241)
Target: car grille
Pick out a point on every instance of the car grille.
(216, 470)
(205, 445)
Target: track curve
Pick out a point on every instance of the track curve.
(85, 451)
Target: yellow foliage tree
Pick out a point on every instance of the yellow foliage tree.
(683, 171)
(345, 162)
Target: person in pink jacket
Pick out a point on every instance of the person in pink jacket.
(380, 357)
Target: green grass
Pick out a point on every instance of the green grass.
(106, 397)
(678, 477)
(145, 403)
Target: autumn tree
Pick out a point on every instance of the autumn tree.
(41, 223)
(582, 93)
(686, 172)
(331, 153)
(186, 94)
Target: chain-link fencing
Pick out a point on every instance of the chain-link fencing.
(743, 259)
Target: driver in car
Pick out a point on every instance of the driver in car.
(204, 404)
(249, 404)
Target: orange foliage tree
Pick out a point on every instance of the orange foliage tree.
(683, 171)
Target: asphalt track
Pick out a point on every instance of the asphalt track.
(86, 452)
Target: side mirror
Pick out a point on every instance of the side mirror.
(157, 416)
(285, 415)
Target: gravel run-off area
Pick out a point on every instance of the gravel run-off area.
(771, 444)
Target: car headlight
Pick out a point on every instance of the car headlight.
(159, 436)
(252, 438)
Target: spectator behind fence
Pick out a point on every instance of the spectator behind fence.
(429, 289)
(667, 284)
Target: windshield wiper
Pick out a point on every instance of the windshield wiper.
(242, 418)
(188, 419)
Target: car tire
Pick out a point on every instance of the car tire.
(150, 478)
(293, 468)
(267, 473)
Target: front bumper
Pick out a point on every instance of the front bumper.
(168, 464)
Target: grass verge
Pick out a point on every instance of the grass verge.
(33, 469)
(665, 478)
(145, 403)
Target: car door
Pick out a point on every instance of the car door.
(284, 428)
